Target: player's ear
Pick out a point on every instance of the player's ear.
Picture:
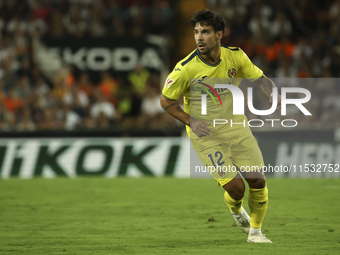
(219, 34)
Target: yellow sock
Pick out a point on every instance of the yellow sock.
(234, 205)
(258, 204)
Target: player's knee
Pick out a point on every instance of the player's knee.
(238, 195)
(235, 188)
(257, 183)
(237, 192)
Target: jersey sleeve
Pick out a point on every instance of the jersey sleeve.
(249, 70)
(176, 83)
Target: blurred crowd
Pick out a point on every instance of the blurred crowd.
(290, 39)
(286, 39)
(72, 100)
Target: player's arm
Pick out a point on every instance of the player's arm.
(175, 110)
(267, 85)
(200, 128)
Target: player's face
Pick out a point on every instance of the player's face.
(206, 39)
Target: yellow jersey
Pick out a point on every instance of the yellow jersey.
(193, 76)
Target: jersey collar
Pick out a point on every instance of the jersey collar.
(205, 62)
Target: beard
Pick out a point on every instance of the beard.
(206, 49)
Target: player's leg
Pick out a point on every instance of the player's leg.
(257, 199)
(233, 196)
(258, 204)
(248, 157)
(234, 193)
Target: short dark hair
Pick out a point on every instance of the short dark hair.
(208, 18)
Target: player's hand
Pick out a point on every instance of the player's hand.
(278, 101)
(199, 127)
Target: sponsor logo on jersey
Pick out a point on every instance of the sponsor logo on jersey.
(168, 82)
(232, 72)
(177, 69)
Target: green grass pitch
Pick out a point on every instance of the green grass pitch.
(161, 216)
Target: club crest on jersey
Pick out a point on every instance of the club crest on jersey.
(168, 82)
(221, 173)
(232, 72)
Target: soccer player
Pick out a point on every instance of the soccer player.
(222, 145)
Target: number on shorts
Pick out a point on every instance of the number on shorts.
(218, 156)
